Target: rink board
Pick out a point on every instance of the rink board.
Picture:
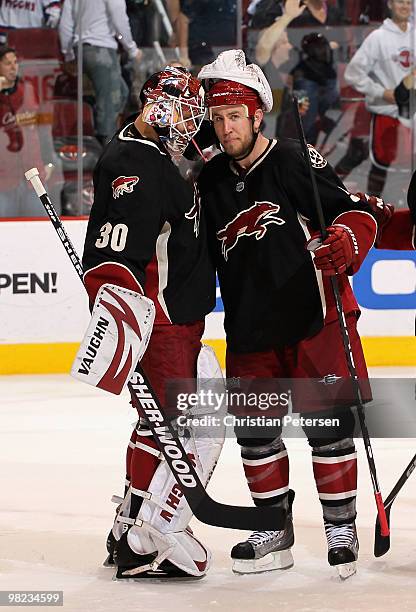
(44, 309)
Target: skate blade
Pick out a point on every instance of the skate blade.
(346, 570)
(154, 577)
(109, 562)
(278, 560)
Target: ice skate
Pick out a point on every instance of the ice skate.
(342, 548)
(264, 551)
(110, 545)
(115, 532)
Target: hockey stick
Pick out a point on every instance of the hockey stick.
(381, 512)
(382, 542)
(202, 505)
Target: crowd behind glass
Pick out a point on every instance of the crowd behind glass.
(355, 96)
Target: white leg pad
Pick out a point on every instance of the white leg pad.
(162, 523)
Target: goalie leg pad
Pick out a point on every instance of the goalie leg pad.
(161, 527)
(165, 507)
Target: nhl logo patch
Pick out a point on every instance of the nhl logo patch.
(317, 160)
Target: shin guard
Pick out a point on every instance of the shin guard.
(335, 471)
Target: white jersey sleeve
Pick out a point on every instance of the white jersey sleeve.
(120, 22)
(66, 31)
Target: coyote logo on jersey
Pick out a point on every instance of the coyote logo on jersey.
(250, 222)
(123, 184)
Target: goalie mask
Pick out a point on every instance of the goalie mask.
(173, 104)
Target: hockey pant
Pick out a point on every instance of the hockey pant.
(265, 459)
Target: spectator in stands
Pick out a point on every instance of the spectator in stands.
(33, 14)
(19, 140)
(273, 53)
(316, 77)
(370, 10)
(273, 19)
(376, 69)
(180, 24)
(141, 15)
(317, 13)
(212, 23)
(271, 37)
(103, 23)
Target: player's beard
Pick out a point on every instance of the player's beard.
(239, 148)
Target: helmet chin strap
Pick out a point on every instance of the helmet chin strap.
(252, 145)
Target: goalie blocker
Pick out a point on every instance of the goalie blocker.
(123, 319)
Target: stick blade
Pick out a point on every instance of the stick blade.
(381, 543)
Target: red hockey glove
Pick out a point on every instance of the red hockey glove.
(382, 212)
(338, 251)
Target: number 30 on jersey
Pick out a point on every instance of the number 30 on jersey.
(114, 236)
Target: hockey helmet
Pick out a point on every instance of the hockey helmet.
(229, 80)
(173, 104)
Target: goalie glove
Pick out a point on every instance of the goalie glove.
(116, 338)
(337, 252)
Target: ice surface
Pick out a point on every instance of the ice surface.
(62, 447)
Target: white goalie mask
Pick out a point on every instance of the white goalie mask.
(173, 104)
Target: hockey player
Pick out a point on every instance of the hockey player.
(396, 228)
(30, 14)
(280, 316)
(144, 235)
(399, 226)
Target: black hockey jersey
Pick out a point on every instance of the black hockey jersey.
(258, 224)
(145, 231)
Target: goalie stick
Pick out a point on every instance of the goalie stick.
(381, 511)
(202, 505)
(382, 542)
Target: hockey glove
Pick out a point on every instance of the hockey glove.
(382, 212)
(337, 252)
